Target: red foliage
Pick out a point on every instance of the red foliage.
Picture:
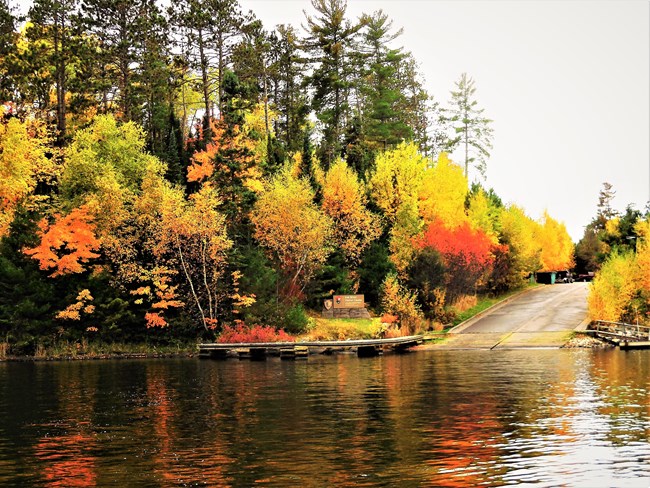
(240, 332)
(463, 244)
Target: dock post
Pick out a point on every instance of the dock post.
(368, 351)
(258, 353)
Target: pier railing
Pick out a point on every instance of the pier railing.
(622, 334)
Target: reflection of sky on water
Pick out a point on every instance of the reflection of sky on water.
(571, 441)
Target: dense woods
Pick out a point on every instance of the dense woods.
(171, 173)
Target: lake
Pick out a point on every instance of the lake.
(427, 418)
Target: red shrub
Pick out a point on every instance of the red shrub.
(240, 332)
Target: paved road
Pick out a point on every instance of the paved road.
(545, 309)
(540, 317)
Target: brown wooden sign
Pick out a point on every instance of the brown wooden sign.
(348, 301)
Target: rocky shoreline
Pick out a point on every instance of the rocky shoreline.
(584, 341)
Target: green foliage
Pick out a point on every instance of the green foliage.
(426, 275)
(375, 266)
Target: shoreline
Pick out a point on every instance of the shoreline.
(97, 357)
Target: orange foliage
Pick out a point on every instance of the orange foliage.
(470, 246)
(227, 145)
(154, 319)
(67, 244)
(72, 312)
(202, 166)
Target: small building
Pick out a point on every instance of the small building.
(546, 277)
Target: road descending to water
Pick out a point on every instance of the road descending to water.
(540, 317)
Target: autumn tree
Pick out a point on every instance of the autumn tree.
(193, 230)
(292, 228)
(556, 245)
(472, 131)
(67, 244)
(397, 300)
(466, 254)
(23, 164)
(613, 288)
(443, 193)
(520, 232)
(397, 178)
(230, 162)
(343, 200)
(483, 211)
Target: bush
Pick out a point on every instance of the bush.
(296, 319)
(397, 300)
(240, 332)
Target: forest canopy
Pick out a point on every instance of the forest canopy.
(168, 172)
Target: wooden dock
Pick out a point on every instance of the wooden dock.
(625, 336)
(301, 350)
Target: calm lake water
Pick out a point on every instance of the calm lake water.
(428, 418)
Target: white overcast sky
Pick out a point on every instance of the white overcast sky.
(566, 83)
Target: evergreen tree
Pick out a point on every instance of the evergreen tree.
(385, 125)
(191, 24)
(329, 44)
(472, 131)
(52, 21)
(286, 91)
(605, 210)
(7, 37)
(416, 107)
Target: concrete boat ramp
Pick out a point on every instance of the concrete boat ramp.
(541, 317)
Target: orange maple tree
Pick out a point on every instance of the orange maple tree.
(67, 244)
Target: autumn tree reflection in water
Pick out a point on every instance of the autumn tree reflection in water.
(422, 419)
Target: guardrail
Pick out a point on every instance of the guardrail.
(622, 334)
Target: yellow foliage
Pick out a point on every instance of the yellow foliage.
(407, 225)
(22, 165)
(443, 193)
(556, 244)
(355, 227)
(642, 230)
(613, 288)
(398, 300)
(484, 216)
(291, 227)
(72, 312)
(256, 122)
(612, 227)
(520, 233)
(397, 178)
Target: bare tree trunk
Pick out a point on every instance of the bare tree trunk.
(191, 283)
